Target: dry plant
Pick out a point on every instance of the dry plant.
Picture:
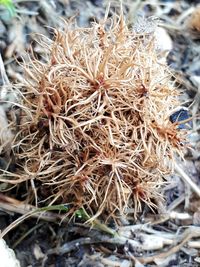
(94, 128)
(193, 22)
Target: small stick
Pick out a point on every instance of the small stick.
(187, 179)
(187, 235)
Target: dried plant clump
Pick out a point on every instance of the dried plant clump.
(193, 22)
(95, 128)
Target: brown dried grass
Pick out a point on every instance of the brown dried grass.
(95, 127)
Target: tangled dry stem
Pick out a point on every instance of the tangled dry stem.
(97, 134)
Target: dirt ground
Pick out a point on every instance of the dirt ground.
(170, 237)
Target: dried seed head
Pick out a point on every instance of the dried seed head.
(97, 133)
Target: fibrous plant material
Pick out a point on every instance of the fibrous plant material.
(95, 129)
(193, 21)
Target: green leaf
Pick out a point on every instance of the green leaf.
(8, 4)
